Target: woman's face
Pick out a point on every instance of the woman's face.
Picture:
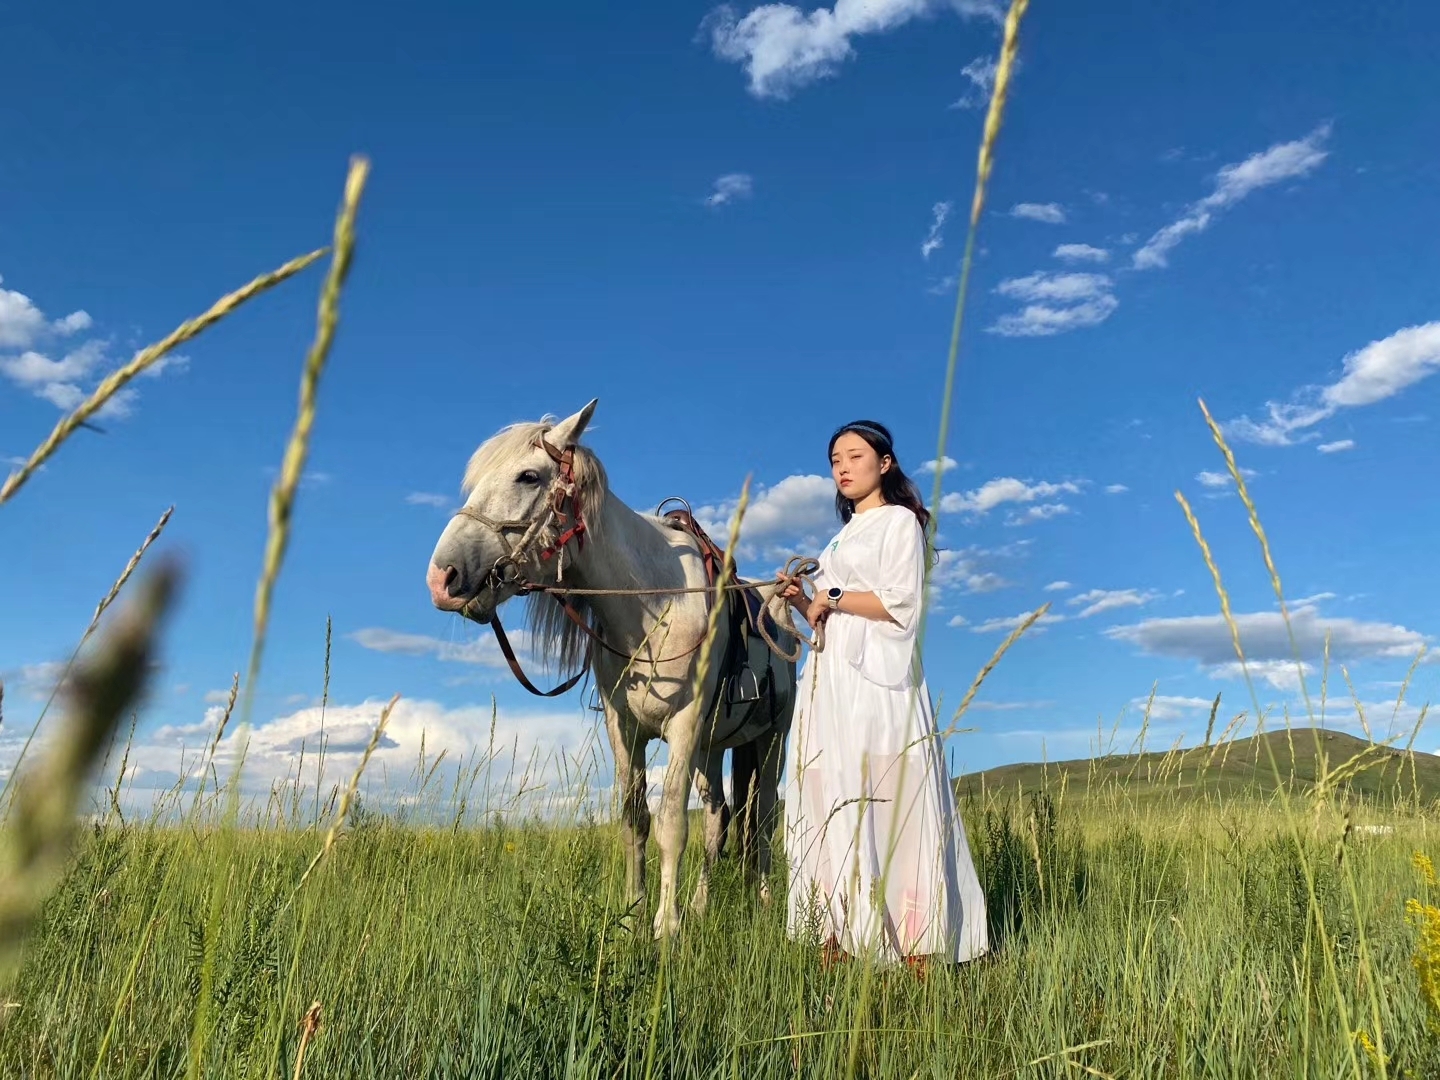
(856, 467)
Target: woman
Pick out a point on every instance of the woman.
(877, 853)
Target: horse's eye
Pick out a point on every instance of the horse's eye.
(529, 476)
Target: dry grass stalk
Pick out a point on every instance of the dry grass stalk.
(1013, 637)
(108, 599)
(116, 380)
(36, 845)
(343, 811)
(702, 665)
(309, 1028)
(999, 94)
(297, 450)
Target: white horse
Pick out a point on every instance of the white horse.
(538, 511)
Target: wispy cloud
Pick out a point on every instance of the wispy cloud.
(730, 187)
(783, 48)
(1372, 374)
(1058, 586)
(1075, 253)
(981, 73)
(1008, 489)
(428, 498)
(1337, 446)
(1283, 161)
(947, 463)
(1010, 622)
(934, 240)
(1264, 636)
(1221, 481)
(1115, 489)
(1055, 303)
(1048, 213)
(1096, 601)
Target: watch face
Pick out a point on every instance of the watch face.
(834, 594)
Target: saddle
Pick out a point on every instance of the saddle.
(743, 707)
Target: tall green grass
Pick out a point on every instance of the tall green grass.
(1172, 939)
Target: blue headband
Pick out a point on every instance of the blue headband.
(862, 426)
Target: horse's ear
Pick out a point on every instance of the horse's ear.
(567, 432)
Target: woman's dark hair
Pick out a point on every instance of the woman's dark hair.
(895, 487)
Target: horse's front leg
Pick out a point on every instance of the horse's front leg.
(674, 822)
(628, 744)
(709, 781)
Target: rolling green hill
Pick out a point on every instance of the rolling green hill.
(1240, 767)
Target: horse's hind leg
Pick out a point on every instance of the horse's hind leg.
(743, 766)
(770, 750)
(709, 783)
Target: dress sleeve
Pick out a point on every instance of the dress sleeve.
(901, 573)
(887, 655)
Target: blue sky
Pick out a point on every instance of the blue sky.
(737, 228)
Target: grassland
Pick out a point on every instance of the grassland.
(1168, 936)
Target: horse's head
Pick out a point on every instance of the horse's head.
(529, 494)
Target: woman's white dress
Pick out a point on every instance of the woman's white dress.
(877, 852)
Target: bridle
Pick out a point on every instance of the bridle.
(562, 505)
(564, 492)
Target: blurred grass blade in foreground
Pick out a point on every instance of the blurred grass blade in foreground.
(35, 848)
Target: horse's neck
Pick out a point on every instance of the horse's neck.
(632, 553)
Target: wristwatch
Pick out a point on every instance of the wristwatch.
(833, 595)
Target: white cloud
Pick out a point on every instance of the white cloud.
(1058, 586)
(1115, 489)
(981, 73)
(1281, 674)
(1048, 213)
(1172, 707)
(965, 570)
(481, 650)
(1081, 253)
(1008, 623)
(1038, 512)
(799, 509)
(1374, 373)
(63, 382)
(1002, 490)
(533, 753)
(1009, 706)
(730, 187)
(783, 48)
(428, 498)
(1215, 480)
(958, 620)
(1100, 600)
(21, 322)
(1337, 446)
(1206, 638)
(1055, 303)
(1283, 161)
(217, 697)
(947, 463)
(934, 240)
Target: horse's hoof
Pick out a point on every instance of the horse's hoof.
(701, 900)
(667, 925)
